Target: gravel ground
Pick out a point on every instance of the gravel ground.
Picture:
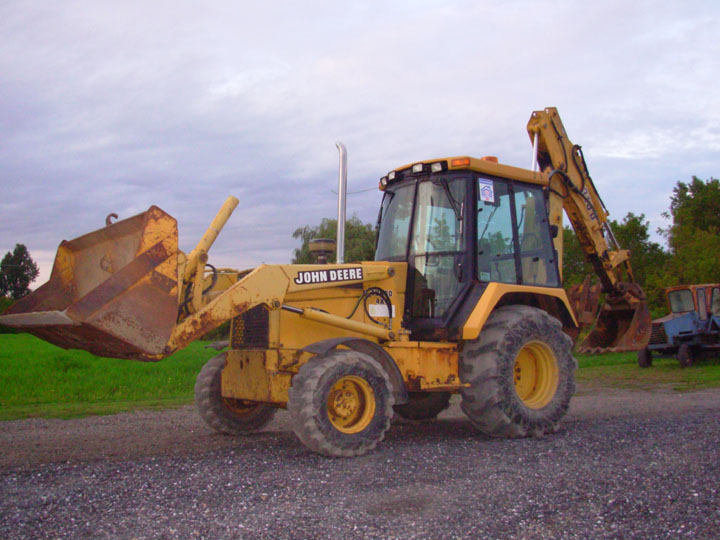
(627, 464)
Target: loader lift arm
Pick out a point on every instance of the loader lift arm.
(623, 323)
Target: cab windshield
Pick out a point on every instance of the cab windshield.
(681, 301)
(395, 214)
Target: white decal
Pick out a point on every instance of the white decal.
(487, 191)
(379, 310)
(329, 276)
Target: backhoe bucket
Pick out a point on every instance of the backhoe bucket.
(113, 292)
(623, 324)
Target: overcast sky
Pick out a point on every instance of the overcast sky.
(114, 106)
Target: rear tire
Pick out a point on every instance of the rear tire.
(685, 355)
(424, 405)
(227, 415)
(644, 358)
(521, 374)
(341, 404)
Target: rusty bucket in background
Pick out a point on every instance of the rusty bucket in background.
(113, 292)
(622, 323)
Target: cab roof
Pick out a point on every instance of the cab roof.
(486, 165)
(691, 287)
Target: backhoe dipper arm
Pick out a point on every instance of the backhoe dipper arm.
(572, 190)
(624, 322)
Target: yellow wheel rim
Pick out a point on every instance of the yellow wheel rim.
(351, 404)
(536, 375)
(240, 407)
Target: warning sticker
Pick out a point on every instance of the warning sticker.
(380, 310)
(487, 192)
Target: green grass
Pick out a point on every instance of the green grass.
(40, 379)
(620, 370)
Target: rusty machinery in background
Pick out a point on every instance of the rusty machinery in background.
(691, 331)
(464, 296)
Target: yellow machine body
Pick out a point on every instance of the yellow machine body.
(115, 292)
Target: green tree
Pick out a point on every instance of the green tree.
(694, 206)
(647, 258)
(694, 236)
(574, 265)
(359, 240)
(17, 271)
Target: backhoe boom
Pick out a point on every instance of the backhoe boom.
(624, 321)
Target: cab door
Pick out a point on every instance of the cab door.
(438, 255)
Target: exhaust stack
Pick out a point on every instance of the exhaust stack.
(342, 202)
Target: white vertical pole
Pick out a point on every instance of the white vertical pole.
(342, 196)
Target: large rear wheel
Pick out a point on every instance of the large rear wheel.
(520, 373)
(340, 404)
(227, 415)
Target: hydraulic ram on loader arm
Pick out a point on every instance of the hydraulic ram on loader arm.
(126, 291)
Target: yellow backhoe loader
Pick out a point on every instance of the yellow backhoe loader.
(464, 296)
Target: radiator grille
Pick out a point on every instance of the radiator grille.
(658, 335)
(251, 329)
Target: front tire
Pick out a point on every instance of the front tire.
(227, 415)
(520, 373)
(685, 355)
(341, 404)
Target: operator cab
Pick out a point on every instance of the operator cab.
(704, 300)
(459, 224)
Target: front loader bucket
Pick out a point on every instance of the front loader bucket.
(113, 292)
(623, 324)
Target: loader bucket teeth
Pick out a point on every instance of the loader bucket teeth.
(623, 324)
(112, 292)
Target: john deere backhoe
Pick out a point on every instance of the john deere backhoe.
(464, 296)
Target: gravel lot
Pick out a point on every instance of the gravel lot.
(628, 464)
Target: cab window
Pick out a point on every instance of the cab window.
(495, 245)
(437, 248)
(681, 301)
(514, 244)
(702, 303)
(715, 302)
(394, 223)
(536, 249)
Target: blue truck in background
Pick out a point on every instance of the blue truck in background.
(692, 329)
